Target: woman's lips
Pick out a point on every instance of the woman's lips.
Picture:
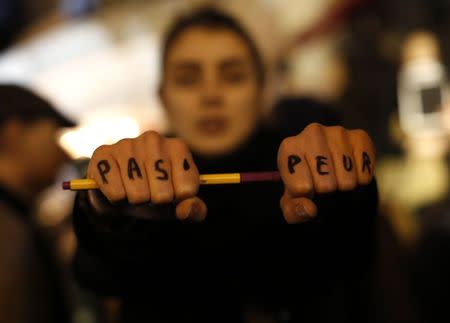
(212, 126)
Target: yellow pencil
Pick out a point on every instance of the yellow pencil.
(206, 179)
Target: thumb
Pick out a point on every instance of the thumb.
(298, 209)
(191, 210)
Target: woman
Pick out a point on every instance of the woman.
(218, 253)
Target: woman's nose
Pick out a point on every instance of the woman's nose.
(212, 94)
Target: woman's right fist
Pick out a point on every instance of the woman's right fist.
(149, 168)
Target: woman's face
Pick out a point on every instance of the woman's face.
(210, 90)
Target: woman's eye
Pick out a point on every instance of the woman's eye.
(234, 77)
(186, 80)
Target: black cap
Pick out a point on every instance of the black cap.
(19, 102)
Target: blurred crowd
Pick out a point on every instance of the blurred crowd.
(85, 73)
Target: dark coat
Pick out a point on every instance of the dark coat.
(243, 256)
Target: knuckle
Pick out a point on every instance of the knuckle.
(347, 184)
(288, 144)
(101, 150)
(178, 143)
(115, 195)
(151, 136)
(284, 149)
(138, 197)
(313, 128)
(301, 188)
(326, 187)
(337, 131)
(362, 138)
(186, 190)
(123, 145)
(364, 180)
(153, 141)
(124, 141)
(162, 196)
(360, 134)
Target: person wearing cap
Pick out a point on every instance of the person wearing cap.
(30, 158)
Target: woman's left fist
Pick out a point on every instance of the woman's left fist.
(322, 160)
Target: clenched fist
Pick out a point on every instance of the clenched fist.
(322, 160)
(149, 168)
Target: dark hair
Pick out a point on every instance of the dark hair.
(214, 19)
(17, 102)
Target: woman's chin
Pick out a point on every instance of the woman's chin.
(215, 148)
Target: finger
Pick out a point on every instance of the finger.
(132, 171)
(364, 155)
(157, 166)
(191, 210)
(319, 158)
(342, 155)
(185, 176)
(294, 169)
(297, 210)
(103, 168)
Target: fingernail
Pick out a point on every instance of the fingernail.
(301, 212)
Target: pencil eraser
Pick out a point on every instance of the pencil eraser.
(66, 185)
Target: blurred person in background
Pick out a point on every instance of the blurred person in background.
(11, 21)
(225, 253)
(17, 16)
(31, 289)
(420, 176)
(426, 171)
